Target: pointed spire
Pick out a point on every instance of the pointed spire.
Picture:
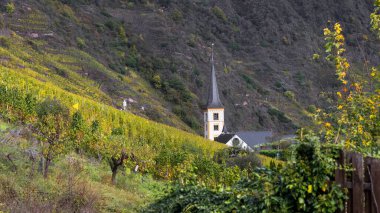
(213, 97)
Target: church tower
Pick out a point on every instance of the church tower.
(214, 112)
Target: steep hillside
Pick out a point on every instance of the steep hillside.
(30, 43)
(157, 52)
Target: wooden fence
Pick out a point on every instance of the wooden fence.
(362, 179)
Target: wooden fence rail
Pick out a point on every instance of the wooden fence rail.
(362, 179)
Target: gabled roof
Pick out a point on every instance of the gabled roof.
(224, 138)
(213, 96)
(253, 138)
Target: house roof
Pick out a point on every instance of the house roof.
(213, 96)
(253, 138)
(224, 138)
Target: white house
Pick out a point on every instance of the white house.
(247, 140)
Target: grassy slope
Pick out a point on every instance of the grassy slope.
(63, 70)
(76, 183)
(66, 65)
(3, 126)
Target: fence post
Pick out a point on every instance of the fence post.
(374, 171)
(357, 183)
(339, 172)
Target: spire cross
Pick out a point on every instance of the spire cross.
(212, 53)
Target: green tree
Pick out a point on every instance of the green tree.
(78, 131)
(116, 154)
(52, 131)
(113, 148)
(355, 121)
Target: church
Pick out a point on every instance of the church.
(214, 125)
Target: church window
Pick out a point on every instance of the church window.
(216, 116)
(216, 127)
(235, 142)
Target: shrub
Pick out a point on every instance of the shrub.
(316, 57)
(290, 95)
(180, 89)
(2, 22)
(312, 108)
(277, 154)
(279, 115)
(300, 78)
(250, 82)
(302, 185)
(156, 81)
(193, 40)
(10, 8)
(105, 13)
(111, 25)
(218, 12)
(235, 156)
(234, 46)
(177, 15)
(68, 12)
(271, 153)
(122, 35)
(132, 58)
(81, 42)
(192, 122)
(5, 42)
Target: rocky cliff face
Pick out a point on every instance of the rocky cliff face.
(264, 52)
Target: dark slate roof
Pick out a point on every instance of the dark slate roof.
(253, 138)
(224, 138)
(213, 96)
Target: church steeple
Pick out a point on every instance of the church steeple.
(213, 97)
(214, 114)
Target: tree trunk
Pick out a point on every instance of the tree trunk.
(14, 167)
(115, 164)
(46, 169)
(41, 165)
(114, 173)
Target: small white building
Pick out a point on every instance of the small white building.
(247, 140)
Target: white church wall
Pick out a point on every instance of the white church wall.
(210, 114)
(210, 122)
